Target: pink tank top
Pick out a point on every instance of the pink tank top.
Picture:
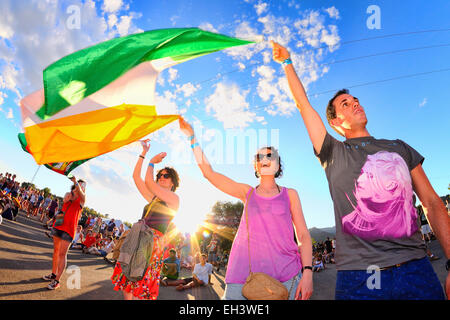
(272, 246)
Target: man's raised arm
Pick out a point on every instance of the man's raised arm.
(313, 122)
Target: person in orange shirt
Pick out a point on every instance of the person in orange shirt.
(64, 229)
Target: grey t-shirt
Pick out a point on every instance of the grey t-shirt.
(371, 188)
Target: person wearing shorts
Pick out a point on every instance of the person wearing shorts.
(63, 231)
(51, 211)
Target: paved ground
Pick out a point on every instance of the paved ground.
(26, 255)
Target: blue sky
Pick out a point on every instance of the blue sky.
(242, 91)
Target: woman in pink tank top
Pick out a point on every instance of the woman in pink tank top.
(273, 211)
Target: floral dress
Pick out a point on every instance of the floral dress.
(148, 287)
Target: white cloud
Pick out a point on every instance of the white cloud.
(333, 12)
(423, 103)
(208, 27)
(160, 80)
(267, 56)
(246, 32)
(266, 72)
(2, 97)
(124, 25)
(313, 31)
(112, 6)
(112, 20)
(165, 103)
(229, 106)
(241, 66)
(5, 31)
(10, 114)
(310, 30)
(261, 7)
(276, 28)
(188, 89)
(330, 38)
(173, 75)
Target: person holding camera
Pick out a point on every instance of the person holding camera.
(64, 229)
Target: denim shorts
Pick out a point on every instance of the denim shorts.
(413, 280)
(61, 234)
(233, 291)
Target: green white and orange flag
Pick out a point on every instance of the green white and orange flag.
(103, 97)
(59, 167)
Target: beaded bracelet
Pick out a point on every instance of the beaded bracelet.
(194, 145)
(151, 164)
(286, 62)
(191, 137)
(141, 156)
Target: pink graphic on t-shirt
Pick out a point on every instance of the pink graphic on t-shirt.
(384, 194)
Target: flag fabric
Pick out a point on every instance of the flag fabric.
(59, 167)
(103, 97)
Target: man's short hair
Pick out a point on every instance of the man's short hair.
(172, 251)
(331, 110)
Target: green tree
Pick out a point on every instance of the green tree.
(28, 185)
(227, 213)
(225, 217)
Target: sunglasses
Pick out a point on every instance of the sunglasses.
(269, 156)
(165, 175)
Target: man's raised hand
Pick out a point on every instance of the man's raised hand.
(279, 52)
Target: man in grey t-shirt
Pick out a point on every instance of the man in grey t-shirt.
(372, 182)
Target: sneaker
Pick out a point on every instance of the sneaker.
(53, 285)
(49, 277)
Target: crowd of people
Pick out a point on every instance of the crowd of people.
(323, 253)
(96, 236)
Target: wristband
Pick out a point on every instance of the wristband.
(307, 267)
(151, 164)
(191, 137)
(194, 145)
(141, 156)
(286, 62)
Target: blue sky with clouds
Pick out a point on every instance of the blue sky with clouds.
(399, 72)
